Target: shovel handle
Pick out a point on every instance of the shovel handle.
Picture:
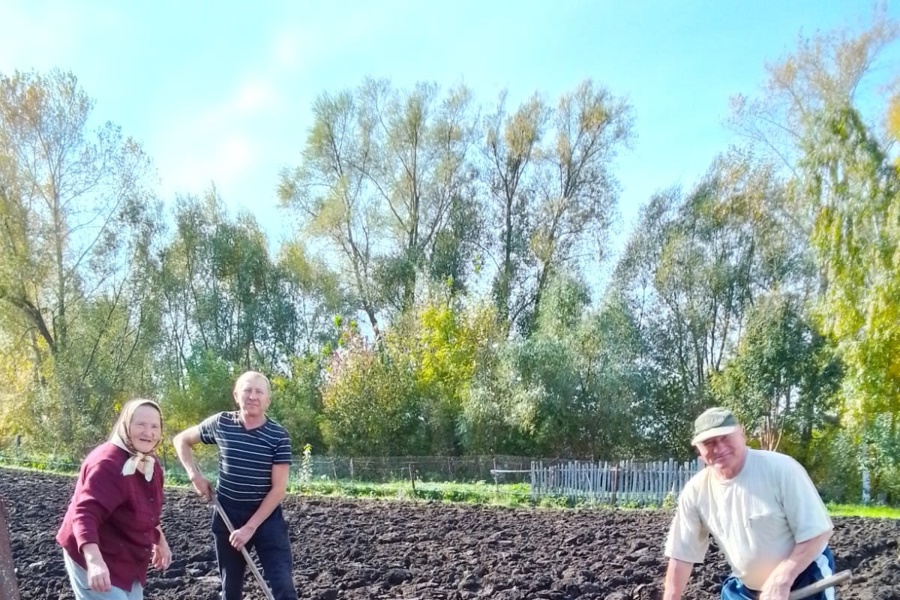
(247, 558)
(824, 584)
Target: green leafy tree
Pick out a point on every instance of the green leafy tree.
(568, 390)
(811, 119)
(384, 182)
(77, 236)
(551, 191)
(370, 403)
(297, 401)
(854, 187)
(444, 343)
(784, 378)
(223, 292)
(692, 268)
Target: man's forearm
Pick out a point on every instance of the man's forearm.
(277, 493)
(268, 505)
(800, 558)
(677, 575)
(185, 452)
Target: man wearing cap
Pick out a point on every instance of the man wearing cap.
(763, 511)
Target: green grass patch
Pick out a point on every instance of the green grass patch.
(860, 510)
(481, 492)
(49, 462)
(470, 493)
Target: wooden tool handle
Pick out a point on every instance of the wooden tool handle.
(824, 584)
(247, 557)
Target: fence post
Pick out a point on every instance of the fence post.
(535, 481)
(9, 588)
(615, 483)
(412, 480)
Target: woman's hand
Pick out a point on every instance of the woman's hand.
(97, 571)
(162, 554)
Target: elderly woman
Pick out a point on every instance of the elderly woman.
(111, 532)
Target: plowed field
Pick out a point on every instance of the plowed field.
(379, 549)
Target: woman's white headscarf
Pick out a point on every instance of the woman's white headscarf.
(121, 437)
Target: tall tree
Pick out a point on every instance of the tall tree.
(783, 378)
(695, 263)
(552, 191)
(511, 147)
(224, 294)
(828, 68)
(833, 68)
(855, 190)
(77, 235)
(384, 180)
(690, 274)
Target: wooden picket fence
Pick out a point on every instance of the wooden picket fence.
(613, 483)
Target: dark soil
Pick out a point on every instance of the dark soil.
(377, 549)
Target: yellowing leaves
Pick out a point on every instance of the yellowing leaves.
(856, 237)
(893, 122)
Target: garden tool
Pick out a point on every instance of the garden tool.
(824, 584)
(253, 566)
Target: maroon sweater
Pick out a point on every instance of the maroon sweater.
(118, 513)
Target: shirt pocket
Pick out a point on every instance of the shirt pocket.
(766, 527)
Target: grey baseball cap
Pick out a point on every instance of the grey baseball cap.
(714, 422)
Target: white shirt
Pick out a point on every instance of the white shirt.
(756, 517)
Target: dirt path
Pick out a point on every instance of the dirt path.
(371, 549)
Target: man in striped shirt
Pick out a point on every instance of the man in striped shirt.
(254, 463)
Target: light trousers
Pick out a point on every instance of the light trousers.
(78, 577)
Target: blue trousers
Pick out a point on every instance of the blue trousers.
(818, 569)
(272, 544)
(81, 587)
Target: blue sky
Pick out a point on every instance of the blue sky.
(222, 91)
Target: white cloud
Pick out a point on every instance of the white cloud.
(218, 143)
(254, 96)
(235, 154)
(285, 50)
(234, 141)
(36, 36)
(223, 161)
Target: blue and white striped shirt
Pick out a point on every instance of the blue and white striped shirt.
(246, 456)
